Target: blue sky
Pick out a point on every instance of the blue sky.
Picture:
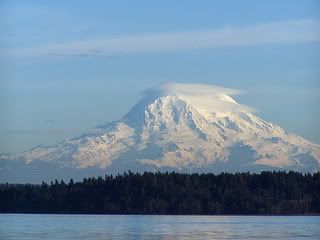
(66, 66)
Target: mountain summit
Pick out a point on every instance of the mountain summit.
(185, 127)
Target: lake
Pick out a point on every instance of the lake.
(41, 226)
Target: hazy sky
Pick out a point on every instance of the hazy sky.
(67, 66)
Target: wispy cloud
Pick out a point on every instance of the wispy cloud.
(295, 31)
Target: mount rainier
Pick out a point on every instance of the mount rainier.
(181, 127)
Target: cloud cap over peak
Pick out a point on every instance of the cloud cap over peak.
(204, 97)
(191, 89)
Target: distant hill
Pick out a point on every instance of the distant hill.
(169, 193)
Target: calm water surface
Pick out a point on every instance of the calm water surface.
(25, 226)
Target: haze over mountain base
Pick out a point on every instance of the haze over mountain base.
(180, 127)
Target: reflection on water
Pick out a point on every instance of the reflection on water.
(20, 226)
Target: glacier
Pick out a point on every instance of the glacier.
(174, 126)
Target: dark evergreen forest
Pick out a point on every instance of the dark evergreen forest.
(169, 193)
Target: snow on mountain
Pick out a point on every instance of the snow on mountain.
(183, 127)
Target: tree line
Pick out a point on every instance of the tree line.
(169, 193)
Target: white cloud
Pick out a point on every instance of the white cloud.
(297, 31)
(202, 96)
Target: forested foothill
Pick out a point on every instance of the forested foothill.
(169, 193)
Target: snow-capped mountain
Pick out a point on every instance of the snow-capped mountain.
(188, 127)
